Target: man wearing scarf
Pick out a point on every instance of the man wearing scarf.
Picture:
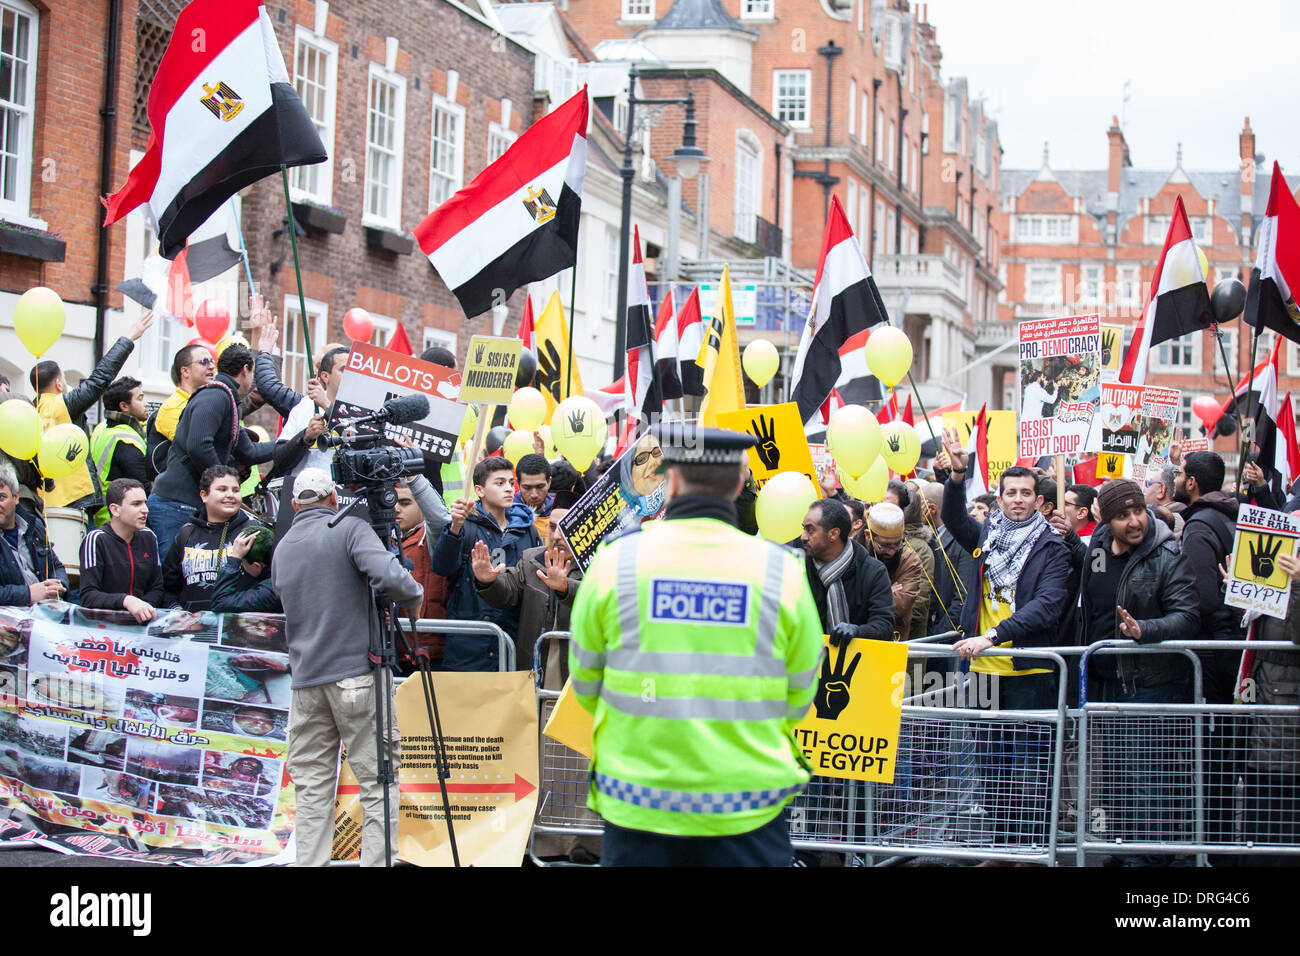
(849, 586)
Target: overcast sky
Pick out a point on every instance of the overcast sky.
(1055, 71)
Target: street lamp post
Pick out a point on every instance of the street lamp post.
(688, 157)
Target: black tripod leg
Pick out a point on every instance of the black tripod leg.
(383, 716)
(442, 765)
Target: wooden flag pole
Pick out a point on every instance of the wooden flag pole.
(480, 432)
(1060, 483)
(297, 271)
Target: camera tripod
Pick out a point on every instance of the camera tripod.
(381, 501)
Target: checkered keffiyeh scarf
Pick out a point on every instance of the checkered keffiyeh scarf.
(1007, 548)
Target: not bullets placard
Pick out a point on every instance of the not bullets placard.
(1256, 581)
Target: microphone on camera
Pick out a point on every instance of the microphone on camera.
(396, 411)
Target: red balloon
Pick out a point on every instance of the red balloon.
(212, 319)
(207, 345)
(1207, 410)
(358, 324)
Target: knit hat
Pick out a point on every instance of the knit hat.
(1118, 495)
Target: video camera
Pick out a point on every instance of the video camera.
(364, 458)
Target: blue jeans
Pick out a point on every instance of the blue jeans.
(166, 517)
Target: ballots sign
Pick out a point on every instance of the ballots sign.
(852, 730)
(490, 368)
(1256, 581)
(781, 442)
(374, 375)
(699, 602)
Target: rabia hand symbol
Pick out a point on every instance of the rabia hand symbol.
(895, 442)
(548, 369)
(75, 449)
(833, 689)
(478, 354)
(1263, 560)
(1110, 464)
(577, 423)
(1107, 346)
(764, 429)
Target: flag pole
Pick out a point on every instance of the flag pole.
(297, 270)
(1244, 455)
(880, 304)
(573, 292)
(243, 246)
(1218, 337)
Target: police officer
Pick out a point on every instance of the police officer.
(697, 649)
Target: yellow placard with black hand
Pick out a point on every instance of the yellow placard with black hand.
(782, 445)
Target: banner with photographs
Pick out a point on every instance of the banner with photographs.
(631, 491)
(374, 375)
(1060, 369)
(167, 736)
(1136, 420)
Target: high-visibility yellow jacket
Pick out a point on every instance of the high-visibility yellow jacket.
(54, 411)
(697, 649)
(103, 443)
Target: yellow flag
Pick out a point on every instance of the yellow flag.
(720, 359)
(553, 356)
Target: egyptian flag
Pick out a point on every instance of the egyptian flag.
(527, 331)
(1270, 452)
(222, 115)
(517, 222)
(642, 395)
(1179, 300)
(164, 285)
(977, 467)
(1288, 455)
(609, 398)
(1271, 300)
(845, 303)
(690, 339)
(670, 374)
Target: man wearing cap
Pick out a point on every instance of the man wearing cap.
(885, 526)
(697, 649)
(1137, 585)
(324, 570)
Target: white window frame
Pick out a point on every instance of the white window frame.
(853, 107)
(293, 368)
(18, 209)
(1230, 347)
(891, 231)
(757, 10)
(878, 224)
(1046, 273)
(500, 139)
(1292, 356)
(1202, 229)
(325, 127)
(1091, 289)
(1188, 347)
(638, 10)
(384, 327)
(851, 205)
(880, 133)
(610, 267)
(1046, 230)
(746, 207)
(1185, 419)
(455, 177)
(1128, 286)
(438, 337)
(1157, 227)
(777, 77)
(391, 217)
(864, 219)
(892, 157)
(865, 131)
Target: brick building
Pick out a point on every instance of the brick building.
(1088, 240)
(52, 94)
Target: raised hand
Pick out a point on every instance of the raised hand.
(316, 392)
(1128, 625)
(481, 563)
(952, 445)
(459, 512)
(239, 547)
(764, 431)
(1290, 565)
(1264, 557)
(833, 688)
(826, 478)
(539, 446)
(1252, 476)
(139, 327)
(558, 566)
(1176, 448)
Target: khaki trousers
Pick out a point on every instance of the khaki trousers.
(321, 717)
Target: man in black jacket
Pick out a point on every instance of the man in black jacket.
(1137, 585)
(850, 588)
(119, 561)
(207, 434)
(203, 543)
(30, 571)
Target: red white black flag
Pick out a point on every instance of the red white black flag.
(670, 376)
(845, 303)
(641, 395)
(517, 222)
(1271, 301)
(1179, 300)
(977, 466)
(222, 115)
(165, 285)
(690, 342)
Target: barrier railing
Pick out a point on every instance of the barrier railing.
(505, 645)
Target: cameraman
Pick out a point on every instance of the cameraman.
(323, 571)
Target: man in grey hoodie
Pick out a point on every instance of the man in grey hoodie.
(323, 571)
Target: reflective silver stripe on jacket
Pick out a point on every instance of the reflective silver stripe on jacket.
(693, 708)
(625, 587)
(681, 801)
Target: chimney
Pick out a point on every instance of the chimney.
(1118, 159)
(1246, 150)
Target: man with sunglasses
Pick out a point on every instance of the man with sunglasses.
(192, 367)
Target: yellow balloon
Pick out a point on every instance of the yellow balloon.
(551, 451)
(234, 338)
(20, 429)
(900, 446)
(578, 429)
(782, 503)
(1205, 266)
(527, 409)
(38, 319)
(870, 486)
(62, 450)
(517, 444)
(889, 354)
(467, 425)
(760, 361)
(853, 439)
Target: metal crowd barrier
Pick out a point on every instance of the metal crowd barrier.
(1186, 780)
(505, 644)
